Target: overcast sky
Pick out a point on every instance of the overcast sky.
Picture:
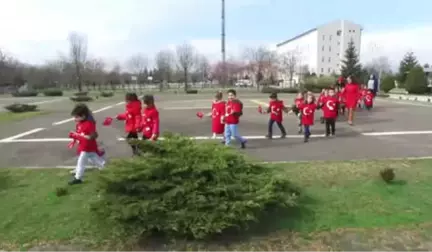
(36, 30)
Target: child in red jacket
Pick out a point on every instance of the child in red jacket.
(330, 107)
(150, 119)
(86, 136)
(218, 111)
(307, 110)
(276, 108)
(132, 118)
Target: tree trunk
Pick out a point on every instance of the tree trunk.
(186, 80)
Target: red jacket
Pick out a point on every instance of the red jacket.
(276, 109)
(218, 110)
(132, 117)
(351, 93)
(150, 122)
(308, 113)
(368, 99)
(85, 128)
(298, 102)
(330, 107)
(232, 112)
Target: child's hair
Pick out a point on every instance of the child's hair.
(131, 97)
(273, 95)
(148, 100)
(82, 110)
(219, 95)
(232, 91)
(313, 99)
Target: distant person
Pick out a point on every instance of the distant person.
(372, 84)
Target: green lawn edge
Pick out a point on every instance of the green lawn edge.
(340, 200)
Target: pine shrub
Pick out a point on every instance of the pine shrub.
(21, 108)
(183, 188)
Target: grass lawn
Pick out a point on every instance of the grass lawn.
(9, 116)
(345, 206)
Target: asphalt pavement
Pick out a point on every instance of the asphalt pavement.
(391, 130)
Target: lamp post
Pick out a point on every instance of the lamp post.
(224, 79)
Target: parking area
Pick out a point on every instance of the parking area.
(391, 130)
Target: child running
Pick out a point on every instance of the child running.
(299, 100)
(150, 119)
(218, 110)
(275, 108)
(369, 99)
(233, 112)
(86, 136)
(132, 118)
(308, 115)
(330, 107)
(323, 95)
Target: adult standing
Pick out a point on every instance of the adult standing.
(373, 84)
(351, 93)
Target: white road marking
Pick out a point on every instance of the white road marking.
(47, 101)
(12, 138)
(398, 133)
(261, 103)
(96, 111)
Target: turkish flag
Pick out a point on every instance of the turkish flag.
(200, 115)
(107, 121)
(260, 109)
(71, 144)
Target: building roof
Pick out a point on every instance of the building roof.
(310, 31)
(296, 37)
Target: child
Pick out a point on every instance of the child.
(308, 115)
(321, 98)
(342, 100)
(368, 99)
(233, 112)
(86, 135)
(363, 91)
(275, 109)
(150, 119)
(132, 118)
(330, 107)
(218, 110)
(299, 100)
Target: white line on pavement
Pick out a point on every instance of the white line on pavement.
(12, 138)
(96, 111)
(398, 133)
(47, 101)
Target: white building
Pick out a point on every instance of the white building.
(321, 48)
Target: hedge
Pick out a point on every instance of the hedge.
(82, 93)
(191, 91)
(53, 92)
(81, 98)
(106, 94)
(183, 188)
(25, 94)
(268, 90)
(21, 108)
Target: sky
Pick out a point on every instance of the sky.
(36, 31)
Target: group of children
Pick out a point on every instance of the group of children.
(138, 120)
(225, 120)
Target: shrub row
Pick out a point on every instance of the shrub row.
(268, 90)
(81, 98)
(21, 108)
(191, 91)
(183, 188)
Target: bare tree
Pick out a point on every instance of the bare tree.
(164, 63)
(186, 59)
(379, 66)
(289, 62)
(95, 71)
(78, 54)
(138, 64)
(203, 67)
(259, 60)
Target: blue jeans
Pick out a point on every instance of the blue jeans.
(306, 130)
(232, 130)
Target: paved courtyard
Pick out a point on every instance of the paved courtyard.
(393, 129)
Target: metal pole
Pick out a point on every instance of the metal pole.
(224, 74)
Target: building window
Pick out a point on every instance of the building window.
(353, 31)
(339, 32)
(338, 42)
(329, 70)
(322, 70)
(329, 59)
(338, 54)
(322, 59)
(329, 48)
(330, 37)
(323, 37)
(322, 49)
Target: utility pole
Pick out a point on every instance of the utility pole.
(224, 72)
